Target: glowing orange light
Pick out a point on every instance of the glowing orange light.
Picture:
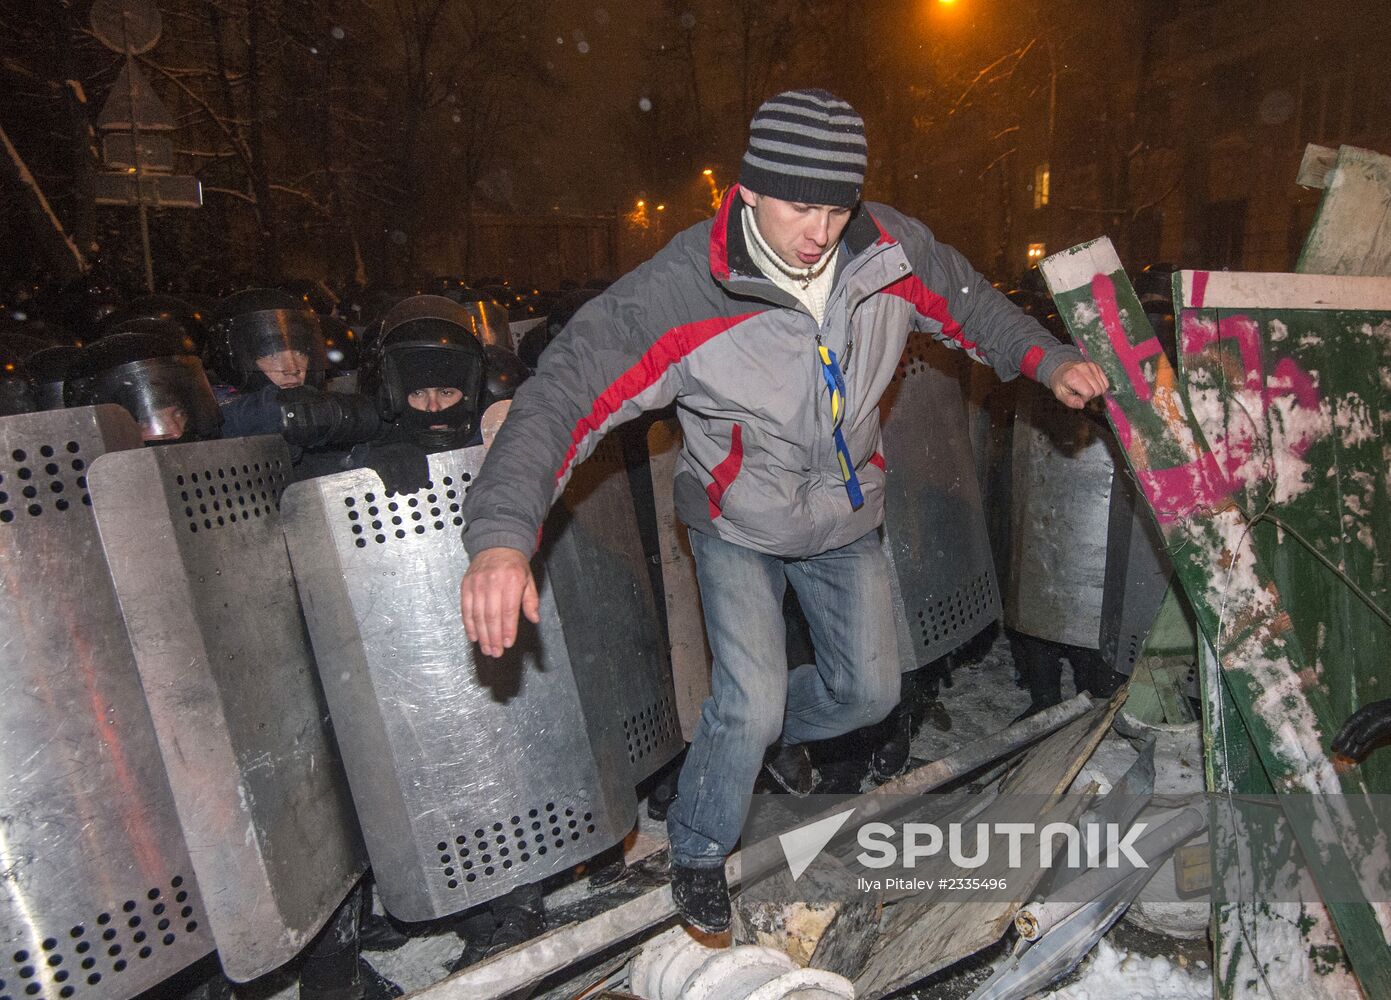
(641, 203)
(707, 172)
(661, 208)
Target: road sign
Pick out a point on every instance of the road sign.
(132, 91)
(158, 190)
(127, 26)
(118, 152)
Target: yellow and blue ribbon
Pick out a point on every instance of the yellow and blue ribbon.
(835, 385)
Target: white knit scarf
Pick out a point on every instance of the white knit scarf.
(810, 286)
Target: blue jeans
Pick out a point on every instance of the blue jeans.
(755, 699)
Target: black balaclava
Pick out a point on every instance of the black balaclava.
(427, 367)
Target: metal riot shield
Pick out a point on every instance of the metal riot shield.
(689, 648)
(1061, 498)
(1137, 574)
(192, 535)
(595, 561)
(97, 894)
(471, 776)
(933, 519)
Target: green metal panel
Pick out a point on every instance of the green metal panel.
(1291, 400)
(1235, 598)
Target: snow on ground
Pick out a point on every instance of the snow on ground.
(1110, 973)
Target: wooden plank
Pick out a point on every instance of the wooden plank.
(1173, 706)
(1352, 230)
(1237, 604)
(925, 933)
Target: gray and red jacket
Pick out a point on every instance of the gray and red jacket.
(699, 325)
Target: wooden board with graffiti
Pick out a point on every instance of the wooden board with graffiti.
(1207, 528)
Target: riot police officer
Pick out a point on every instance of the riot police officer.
(269, 351)
(144, 367)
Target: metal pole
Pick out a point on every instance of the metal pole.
(135, 153)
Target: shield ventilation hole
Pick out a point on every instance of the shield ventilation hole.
(398, 518)
(44, 478)
(73, 961)
(530, 837)
(960, 614)
(231, 494)
(651, 729)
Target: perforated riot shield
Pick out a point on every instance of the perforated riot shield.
(933, 519)
(192, 534)
(1137, 574)
(471, 776)
(690, 651)
(595, 561)
(1061, 498)
(97, 894)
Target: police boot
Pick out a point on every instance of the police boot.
(789, 765)
(333, 968)
(1042, 665)
(506, 921)
(701, 896)
(663, 792)
(891, 740)
(607, 868)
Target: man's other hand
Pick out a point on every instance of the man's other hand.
(497, 583)
(1076, 382)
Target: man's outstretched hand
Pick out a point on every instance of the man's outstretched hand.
(1076, 382)
(497, 584)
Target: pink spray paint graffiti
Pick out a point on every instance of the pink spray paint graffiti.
(1235, 408)
(1213, 475)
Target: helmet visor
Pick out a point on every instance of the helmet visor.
(169, 397)
(282, 344)
(488, 322)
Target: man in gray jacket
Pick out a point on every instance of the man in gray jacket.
(775, 327)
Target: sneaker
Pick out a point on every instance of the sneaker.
(789, 765)
(701, 896)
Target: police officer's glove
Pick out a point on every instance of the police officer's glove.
(313, 419)
(403, 466)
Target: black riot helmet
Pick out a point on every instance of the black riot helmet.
(488, 321)
(341, 349)
(20, 344)
(45, 331)
(171, 308)
(85, 304)
(148, 372)
(505, 373)
(1154, 289)
(51, 368)
(18, 391)
(263, 336)
(313, 295)
(426, 343)
(539, 337)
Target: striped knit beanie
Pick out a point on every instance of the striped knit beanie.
(806, 146)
